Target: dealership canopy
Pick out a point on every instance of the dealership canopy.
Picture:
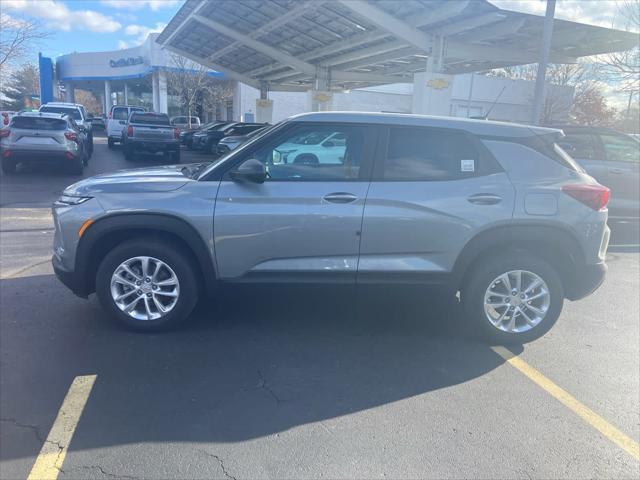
(302, 44)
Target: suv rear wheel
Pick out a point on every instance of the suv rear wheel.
(147, 285)
(513, 299)
(110, 142)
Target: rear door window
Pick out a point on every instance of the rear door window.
(621, 149)
(426, 154)
(39, 123)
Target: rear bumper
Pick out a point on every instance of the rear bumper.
(69, 278)
(586, 281)
(40, 156)
(152, 145)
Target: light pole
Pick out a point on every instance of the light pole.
(547, 32)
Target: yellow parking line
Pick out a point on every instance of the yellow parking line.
(588, 415)
(54, 450)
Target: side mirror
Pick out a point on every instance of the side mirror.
(251, 170)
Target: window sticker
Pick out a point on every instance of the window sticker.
(467, 165)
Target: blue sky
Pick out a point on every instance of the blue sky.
(93, 25)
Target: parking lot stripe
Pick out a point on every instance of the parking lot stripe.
(54, 450)
(584, 412)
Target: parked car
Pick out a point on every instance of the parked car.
(186, 137)
(151, 132)
(613, 159)
(6, 116)
(207, 141)
(79, 115)
(117, 121)
(182, 123)
(234, 141)
(44, 138)
(489, 210)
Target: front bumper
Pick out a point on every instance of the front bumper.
(69, 278)
(586, 281)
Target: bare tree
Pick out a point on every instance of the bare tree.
(624, 67)
(194, 86)
(89, 100)
(17, 38)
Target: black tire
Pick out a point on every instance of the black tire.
(128, 154)
(190, 144)
(9, 166)
(175, 157)
(85, 159)
(484, 273)
(167, 253)
(110, 142)
(90, 152)
(76, 166)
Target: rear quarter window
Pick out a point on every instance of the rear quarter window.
(36, 123)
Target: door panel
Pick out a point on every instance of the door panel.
(289, 227)
(421, 227)
(433, 190)
(305, 219)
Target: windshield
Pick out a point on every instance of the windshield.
(72, 111)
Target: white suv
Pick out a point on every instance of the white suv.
(117, 120)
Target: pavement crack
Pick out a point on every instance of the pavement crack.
(103, 472)
(264, 385)
(33, 428)
(220, 462)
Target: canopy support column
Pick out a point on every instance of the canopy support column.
(432, 89)
(320, 96)
(545, 49)
(107, 97)
(264, 106)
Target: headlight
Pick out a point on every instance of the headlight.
(72, 200)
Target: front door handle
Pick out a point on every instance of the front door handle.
(484, 199)
(618, 171)
(340, 197)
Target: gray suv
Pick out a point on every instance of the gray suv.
(495, 212)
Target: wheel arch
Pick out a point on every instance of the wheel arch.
(106, 233)
(555, 244)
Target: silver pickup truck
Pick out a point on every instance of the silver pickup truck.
(151, 133)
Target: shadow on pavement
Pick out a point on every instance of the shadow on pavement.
(255, 362)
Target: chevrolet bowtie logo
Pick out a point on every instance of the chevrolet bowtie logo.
(438, 83)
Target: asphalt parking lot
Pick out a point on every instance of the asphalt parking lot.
(307, 382)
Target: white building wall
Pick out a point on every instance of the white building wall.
(514, 105)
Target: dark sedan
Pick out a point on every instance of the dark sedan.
(207, 141)
(186, 136)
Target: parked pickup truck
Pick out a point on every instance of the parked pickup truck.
(150, 132)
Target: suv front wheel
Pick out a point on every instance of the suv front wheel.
(147, 285)
(513, 299)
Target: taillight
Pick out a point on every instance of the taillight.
(6, 153)
(109, 115)
(129, 131)
(5, 132)
(71, 136)
(176, 132)
(5, 120)
(593, 196)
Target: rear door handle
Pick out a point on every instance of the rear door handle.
(484, 199)
(618, 171)
(340, 197)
